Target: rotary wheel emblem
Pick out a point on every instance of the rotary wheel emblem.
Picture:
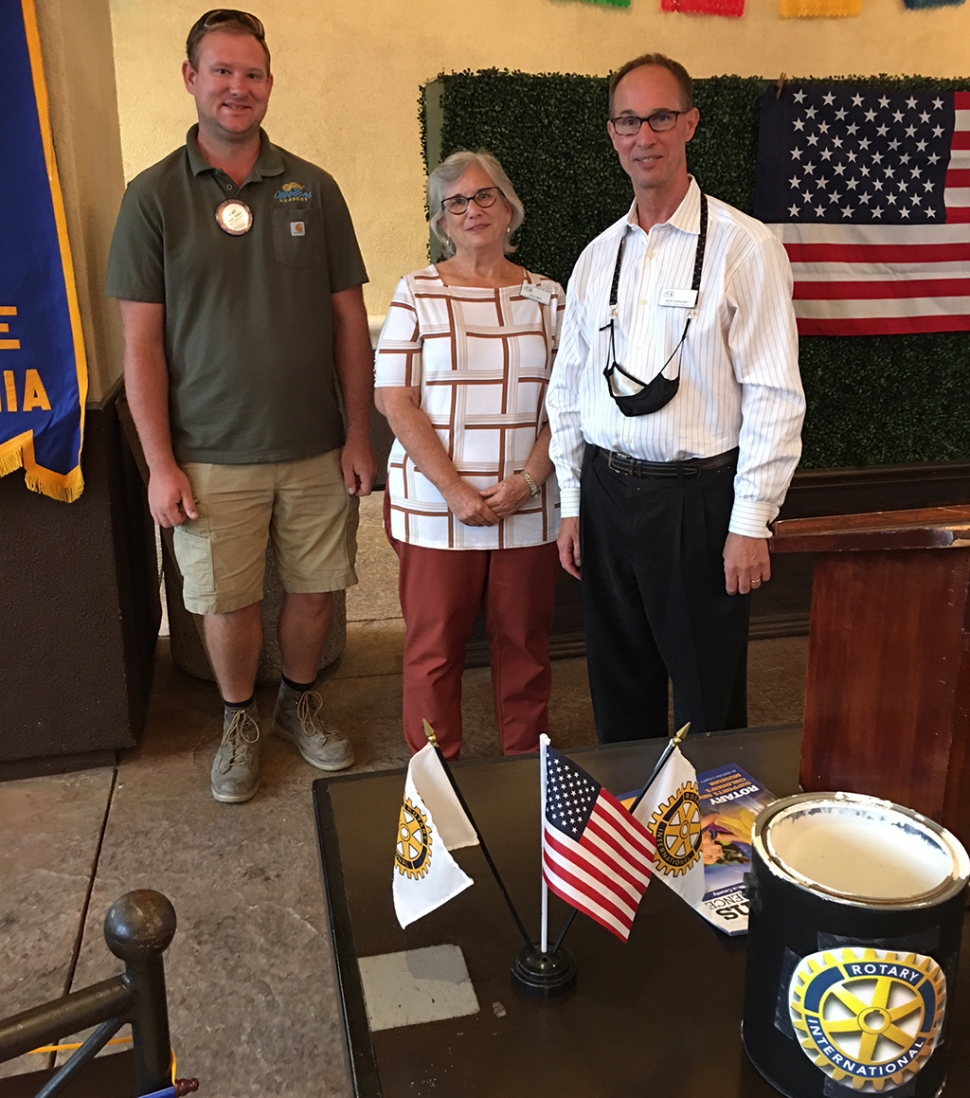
(413, 853)
(867, 1016)
(676, 825)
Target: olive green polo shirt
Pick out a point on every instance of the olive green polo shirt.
(248, 322)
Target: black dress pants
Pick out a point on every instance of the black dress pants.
(654, 601)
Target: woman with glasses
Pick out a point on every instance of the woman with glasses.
(471, 507)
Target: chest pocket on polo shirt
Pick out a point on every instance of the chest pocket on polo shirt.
(298, 237)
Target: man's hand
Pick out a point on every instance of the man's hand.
(747, 564)
(568, 542)
(468, 506)
(506, 497)
(170, 497)
(359, 466)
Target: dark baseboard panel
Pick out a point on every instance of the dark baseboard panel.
(781, 608)
(817, 492)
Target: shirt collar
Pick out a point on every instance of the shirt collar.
(269, 161)
(687, 216)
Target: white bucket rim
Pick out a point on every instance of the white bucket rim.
(949, 886)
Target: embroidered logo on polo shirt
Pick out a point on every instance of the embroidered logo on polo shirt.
(293, 192)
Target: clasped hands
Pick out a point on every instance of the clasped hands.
(491, 505)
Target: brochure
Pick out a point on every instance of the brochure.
(730, 799)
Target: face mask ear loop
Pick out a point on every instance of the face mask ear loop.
(612, 364)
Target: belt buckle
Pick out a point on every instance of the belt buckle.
(619, 462)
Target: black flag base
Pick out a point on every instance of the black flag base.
(543, 975)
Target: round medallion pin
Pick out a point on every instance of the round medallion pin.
(234, 217)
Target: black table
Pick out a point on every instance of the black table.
(658, 1017)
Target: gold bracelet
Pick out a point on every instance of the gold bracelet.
(534, 488)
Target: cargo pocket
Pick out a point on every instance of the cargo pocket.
(193, 551)
(298, 236)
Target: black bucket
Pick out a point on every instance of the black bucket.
(856, 911)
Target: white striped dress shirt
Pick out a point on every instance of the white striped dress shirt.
(739, 380)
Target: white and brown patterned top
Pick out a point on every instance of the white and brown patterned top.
(482, 360)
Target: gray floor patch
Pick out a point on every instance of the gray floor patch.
(416, 985)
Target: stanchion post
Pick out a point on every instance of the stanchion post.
(138, 930)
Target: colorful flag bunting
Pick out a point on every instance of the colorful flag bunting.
(819, 9)
(431, 823)
(670, 811)
(595, 856)
(705, 7)
(869, 191)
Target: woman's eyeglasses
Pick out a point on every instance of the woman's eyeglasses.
(458, 203)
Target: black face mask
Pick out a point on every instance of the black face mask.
(654, 395)
(660, 391)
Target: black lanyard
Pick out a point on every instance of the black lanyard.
(613, 365)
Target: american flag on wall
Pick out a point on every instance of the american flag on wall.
(595, 855)
(869, 191)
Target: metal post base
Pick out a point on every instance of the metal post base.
(543, 975)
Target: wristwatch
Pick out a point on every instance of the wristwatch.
(534, 488)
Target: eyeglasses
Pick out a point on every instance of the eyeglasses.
(217, 16)
(628, 125)
(458, 203)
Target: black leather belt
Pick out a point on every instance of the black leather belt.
(693, 467)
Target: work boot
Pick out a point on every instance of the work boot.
(297, 718)
(235, 769)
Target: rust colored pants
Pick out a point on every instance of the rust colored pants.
(441, 592)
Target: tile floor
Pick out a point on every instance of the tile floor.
(252, 998)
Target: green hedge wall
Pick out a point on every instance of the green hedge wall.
(871, 400)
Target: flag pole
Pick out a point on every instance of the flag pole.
(544, 932)
(432, 739)
(675, 741)
(537, 972)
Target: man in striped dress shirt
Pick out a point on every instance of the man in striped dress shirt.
(672, 467)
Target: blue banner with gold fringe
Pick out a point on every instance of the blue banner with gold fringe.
(43, 372)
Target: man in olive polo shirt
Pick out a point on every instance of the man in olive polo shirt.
(239, 279)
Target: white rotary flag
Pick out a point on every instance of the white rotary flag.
(431, 823)
(671, 812)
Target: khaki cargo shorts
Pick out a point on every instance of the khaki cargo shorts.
(303, 507)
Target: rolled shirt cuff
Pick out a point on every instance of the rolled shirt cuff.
(569, 502)
(750, 518)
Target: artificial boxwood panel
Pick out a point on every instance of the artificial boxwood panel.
(871, 399)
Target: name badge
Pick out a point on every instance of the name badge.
(234, 217)
(536, 293)
(678, 299)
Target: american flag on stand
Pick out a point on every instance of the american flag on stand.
(869, 191)
(595, 855)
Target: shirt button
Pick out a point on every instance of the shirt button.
(228, 186)
(651, 255)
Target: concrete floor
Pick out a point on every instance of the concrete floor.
(252, 998)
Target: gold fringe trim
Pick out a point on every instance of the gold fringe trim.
(64, 487)
(11, 462)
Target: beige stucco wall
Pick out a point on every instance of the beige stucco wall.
(76, 45)
(348, 74)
